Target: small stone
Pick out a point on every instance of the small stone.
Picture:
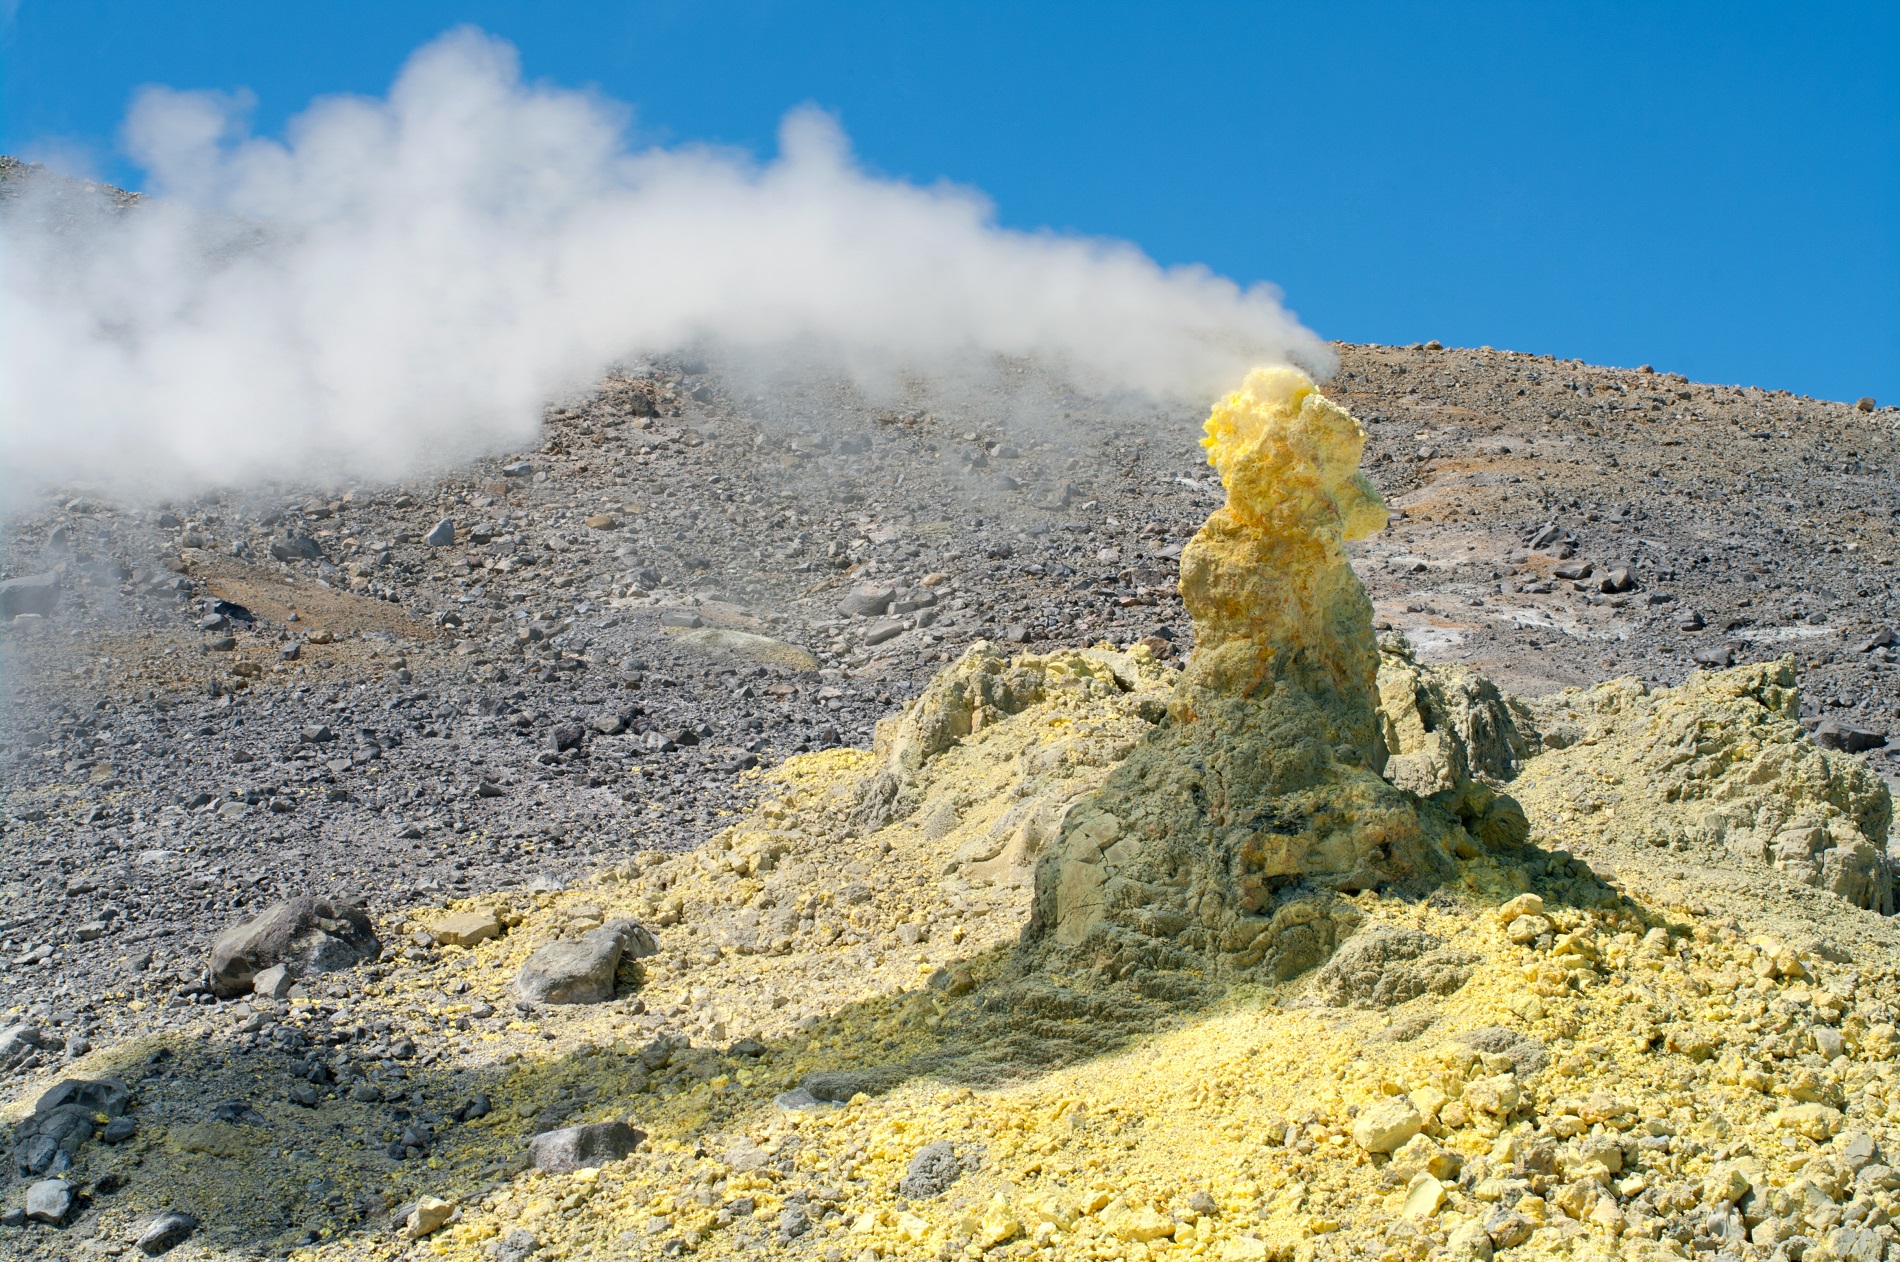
(166, 1232)
(574, 1147)
(427, 1217)
(49, 1201)
(1818, 1122)
(1857, 1149)
(1715, 656)
(118, 1130)
(519, 469)
(867, 600)
(1522, 905)
(466, 928)
(793, 1222)
(295, 547)
(1423, 1198)
(882, 630)
(931, 1172)
(1864, 404)
(36, 1154)
(684, 618)
(1471, 1242)
(800, 1100)
(1385, 1125)
(602, 521)
(273, 983)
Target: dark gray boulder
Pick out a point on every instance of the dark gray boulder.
(166, 1232)
(581, 970)
(35, 594)
(576, 1147)
(97, 1095)
(64, 1118)
(307, 935)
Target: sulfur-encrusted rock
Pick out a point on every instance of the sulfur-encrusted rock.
(1718, 764)
(466, 928)
(427, 1218)
(1221, 834)
(1386, 1125)
(996, 835)
(1446, 725)
(1385, 967)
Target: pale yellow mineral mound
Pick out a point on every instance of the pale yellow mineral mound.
(1719, 767)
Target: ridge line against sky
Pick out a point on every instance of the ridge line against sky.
(1712, 189)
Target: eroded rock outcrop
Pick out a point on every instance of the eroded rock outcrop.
(1447, 725)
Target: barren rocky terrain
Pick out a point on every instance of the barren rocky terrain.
(619, 692)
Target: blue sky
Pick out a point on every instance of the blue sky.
(1714, 189)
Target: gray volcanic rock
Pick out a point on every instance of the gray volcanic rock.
(582, 970)
(166, 1232)
(310, 935)
(34, 594)
(574, 1147)
(50, 1200)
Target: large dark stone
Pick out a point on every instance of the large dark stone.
(582, 970)
(576, 1147)
(35, 593)
(1849, 738)
(166, 1232)
(96, 1095)
(306, 935)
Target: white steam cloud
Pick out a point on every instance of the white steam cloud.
(405, 281)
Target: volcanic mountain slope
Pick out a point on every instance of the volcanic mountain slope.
(833, 1043)
(424, 673)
